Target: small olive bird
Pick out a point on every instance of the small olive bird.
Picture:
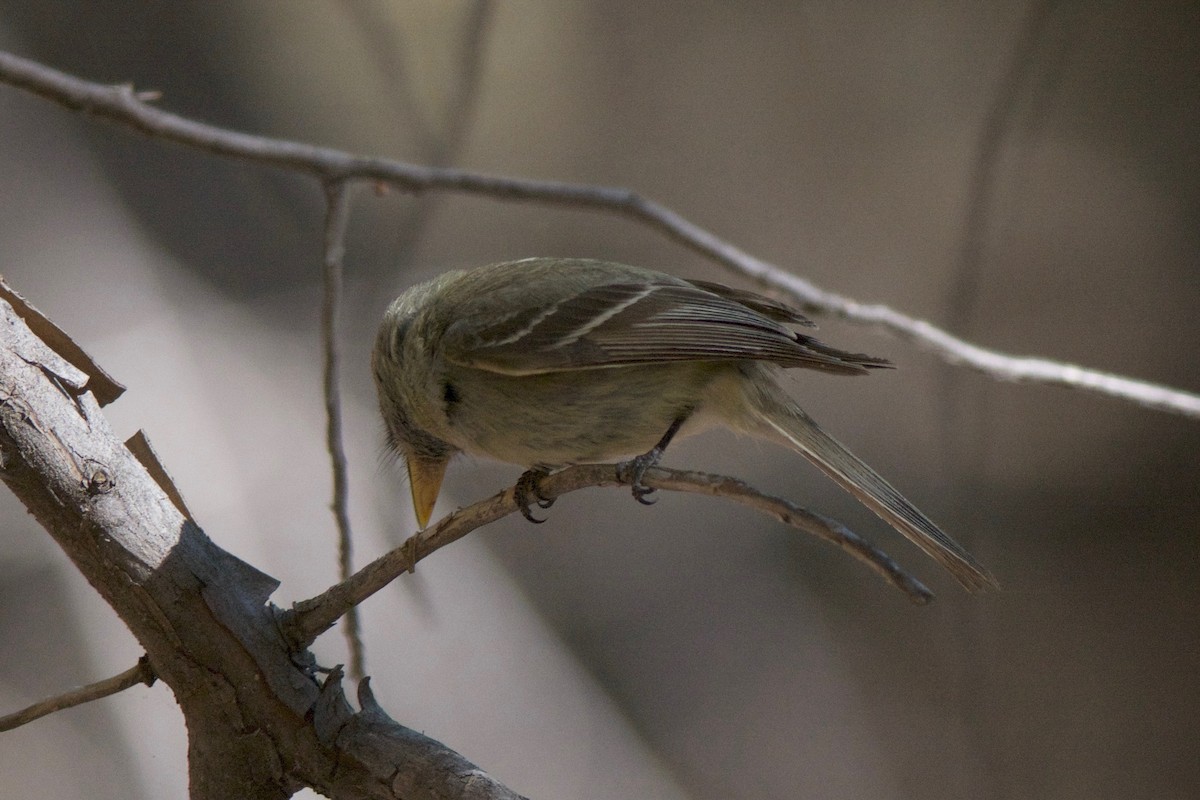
(547, 362)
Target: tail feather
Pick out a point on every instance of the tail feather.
(782, 419)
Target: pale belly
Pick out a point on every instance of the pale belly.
(584, 416)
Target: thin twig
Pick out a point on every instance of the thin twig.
(309, 618)
(141, 672)
(787, 512)
(123, 105)
(337, 215)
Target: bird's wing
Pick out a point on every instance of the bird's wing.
(768, 307)
(643, 322)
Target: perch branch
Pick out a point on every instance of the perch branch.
(125, 106)
(309, 618)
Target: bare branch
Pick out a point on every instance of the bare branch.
(123, 105)
(789, 513)
(337, 217)
(141, 672)
(99, 382)
(309, 618)
(417, 766)
(202, 615)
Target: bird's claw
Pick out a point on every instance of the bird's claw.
(642, 495)
(634, 470)
(528, 492)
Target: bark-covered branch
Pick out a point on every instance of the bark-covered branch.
(259, 725)
(123, 105)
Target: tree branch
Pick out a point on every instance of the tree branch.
(309, 618)
(123, 105)
(141, 672)
(337, 217)
(201, 615)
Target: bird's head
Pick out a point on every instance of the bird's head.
(401, 366)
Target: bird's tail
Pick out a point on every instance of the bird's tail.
(777, 417)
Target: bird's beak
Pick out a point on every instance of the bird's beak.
(425, 480)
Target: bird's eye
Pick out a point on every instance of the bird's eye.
(450, 395)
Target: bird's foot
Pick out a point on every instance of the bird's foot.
(635, 469)
(528, 491)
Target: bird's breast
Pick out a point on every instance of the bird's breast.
(577, 416)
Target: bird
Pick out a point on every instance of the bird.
(548, 362)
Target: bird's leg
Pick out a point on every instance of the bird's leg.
(635, 468)
(528, 491)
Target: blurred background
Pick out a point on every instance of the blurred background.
(1025, 174)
